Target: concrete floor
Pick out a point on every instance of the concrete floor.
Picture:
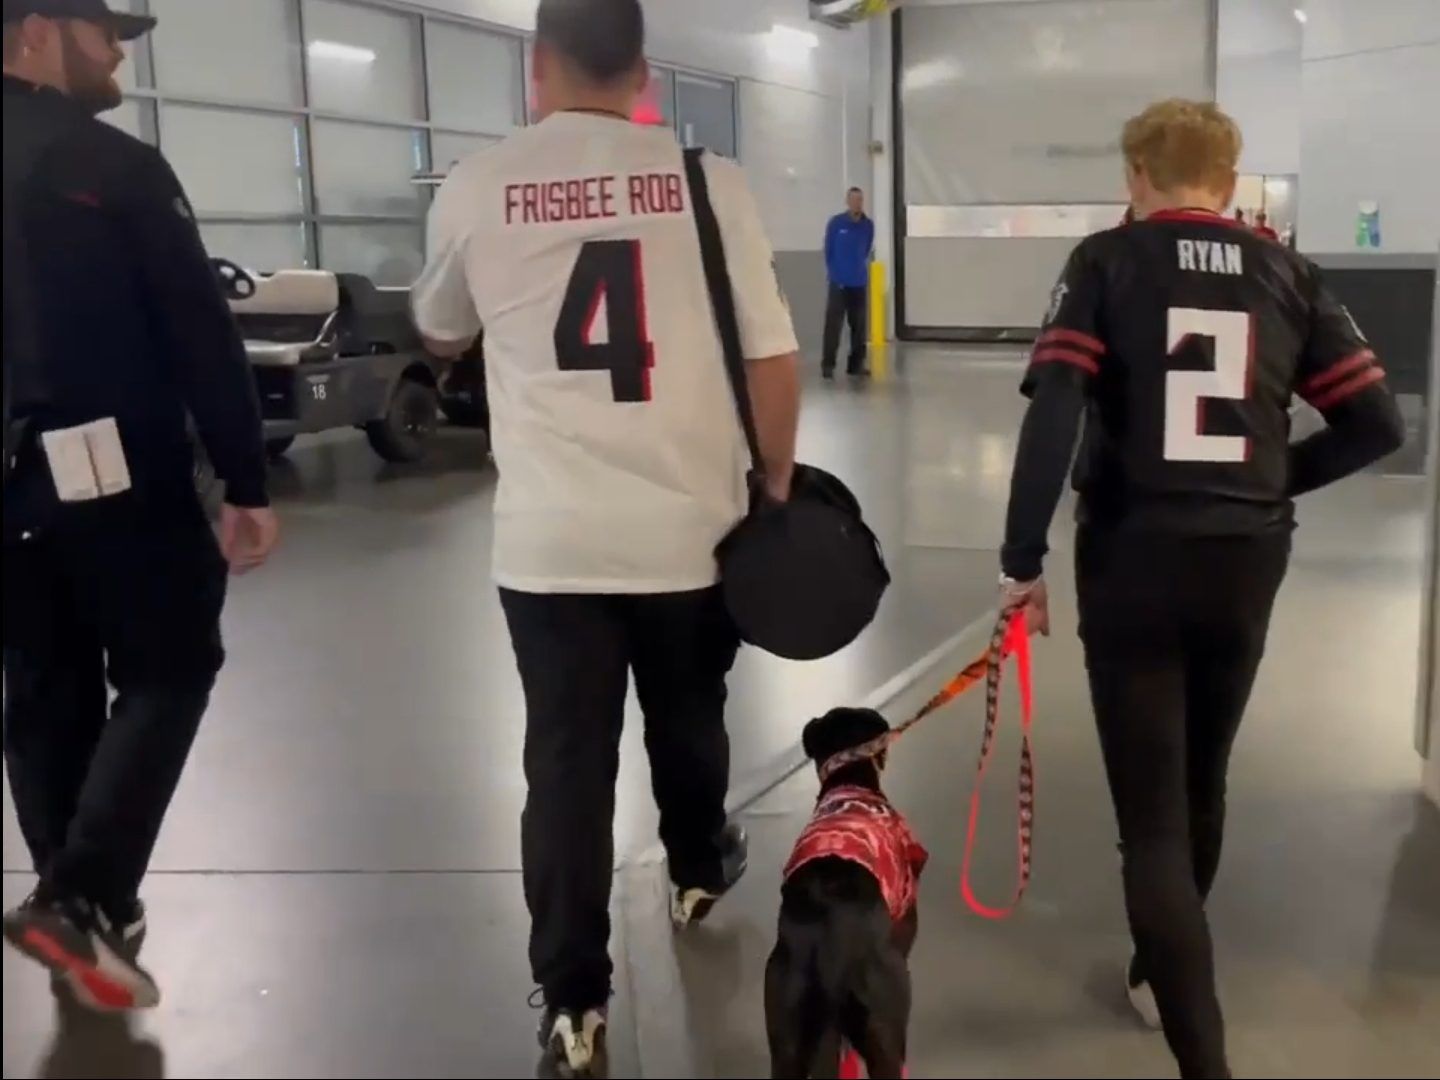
(336, 892)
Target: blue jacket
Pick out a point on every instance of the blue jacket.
(848, 244)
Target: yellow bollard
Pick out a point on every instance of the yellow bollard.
(878, 343)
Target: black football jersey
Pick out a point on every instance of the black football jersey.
(1192, 335)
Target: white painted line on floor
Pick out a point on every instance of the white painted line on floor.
(790, 761)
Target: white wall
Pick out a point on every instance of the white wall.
(1370, 122)
(801, 115)
(1257, 80)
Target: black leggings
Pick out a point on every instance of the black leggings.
(1174, 630)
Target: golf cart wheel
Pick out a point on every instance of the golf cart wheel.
(404, 434)
(463, 413)
(277, 448)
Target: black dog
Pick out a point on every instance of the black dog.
(839, 970)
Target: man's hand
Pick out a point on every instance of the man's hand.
(247, 536)
(1036, 600)
(445, 349)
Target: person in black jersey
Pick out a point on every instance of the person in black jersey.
(1181, 340)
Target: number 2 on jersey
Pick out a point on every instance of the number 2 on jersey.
(607, 271)
(1187, 391)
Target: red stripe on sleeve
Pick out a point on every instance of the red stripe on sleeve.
(1066, 356)
(1071, 337)
(1336, 373)
(1368, 377)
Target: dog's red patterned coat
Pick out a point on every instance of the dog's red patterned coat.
(861, 826)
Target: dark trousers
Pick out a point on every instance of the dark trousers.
(575, 654)
(845, 303)
(105, 597)
(1174, 630)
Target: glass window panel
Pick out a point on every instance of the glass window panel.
(475, 79)
(657, 104)
(707, 113)
(127, 117)
(447, 147)
(365, 169)
(363, 60)
(234, 162)
(263, 248)
(221, 49)
(388, 253)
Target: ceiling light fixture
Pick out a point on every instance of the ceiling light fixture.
(1300, 15)
(335, 50)
(791, 37)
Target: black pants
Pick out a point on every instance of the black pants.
(575, 654)
(1174, 631)
(845, 303)
(105, 596)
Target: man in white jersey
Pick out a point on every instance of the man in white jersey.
(622, 465)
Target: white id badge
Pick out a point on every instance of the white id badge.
(68, 455)
(107, 456)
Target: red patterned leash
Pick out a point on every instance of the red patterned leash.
(1011, 638)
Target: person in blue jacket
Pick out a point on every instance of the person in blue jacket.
(849, 241)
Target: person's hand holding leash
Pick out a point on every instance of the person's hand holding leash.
(247, 536)
(1034, 596)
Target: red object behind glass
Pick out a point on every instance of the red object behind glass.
(647, 109)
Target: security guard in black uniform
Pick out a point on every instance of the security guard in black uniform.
(116, 338)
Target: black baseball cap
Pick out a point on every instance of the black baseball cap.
(127, 27)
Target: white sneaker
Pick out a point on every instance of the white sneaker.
(573, 1043)
(1142, 997)
(690, 905)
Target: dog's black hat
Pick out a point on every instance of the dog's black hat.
(841, 729)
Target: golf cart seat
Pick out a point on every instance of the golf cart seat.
(300, 316)
(374, 320)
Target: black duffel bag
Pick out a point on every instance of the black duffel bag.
(802, 578)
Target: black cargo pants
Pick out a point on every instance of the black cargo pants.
(106, 596)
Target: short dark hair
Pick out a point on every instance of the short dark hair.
(605, 39)
(856, 191)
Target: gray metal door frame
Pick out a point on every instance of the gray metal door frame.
(1427, 714)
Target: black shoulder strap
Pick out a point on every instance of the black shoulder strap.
(722, 299)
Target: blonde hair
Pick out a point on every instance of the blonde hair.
(1179, 143)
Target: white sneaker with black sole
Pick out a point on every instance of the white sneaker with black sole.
(691, 904)
(573, 1044)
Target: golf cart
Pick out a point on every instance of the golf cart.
(331, 350)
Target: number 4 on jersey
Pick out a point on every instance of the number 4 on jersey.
(1187, 391)
(608, 271)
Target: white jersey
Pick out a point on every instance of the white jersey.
(620, 455)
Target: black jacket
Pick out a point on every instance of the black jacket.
(117, 311)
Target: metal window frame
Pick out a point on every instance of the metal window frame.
(152, 98)
(1428, 696)
(714, 81)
